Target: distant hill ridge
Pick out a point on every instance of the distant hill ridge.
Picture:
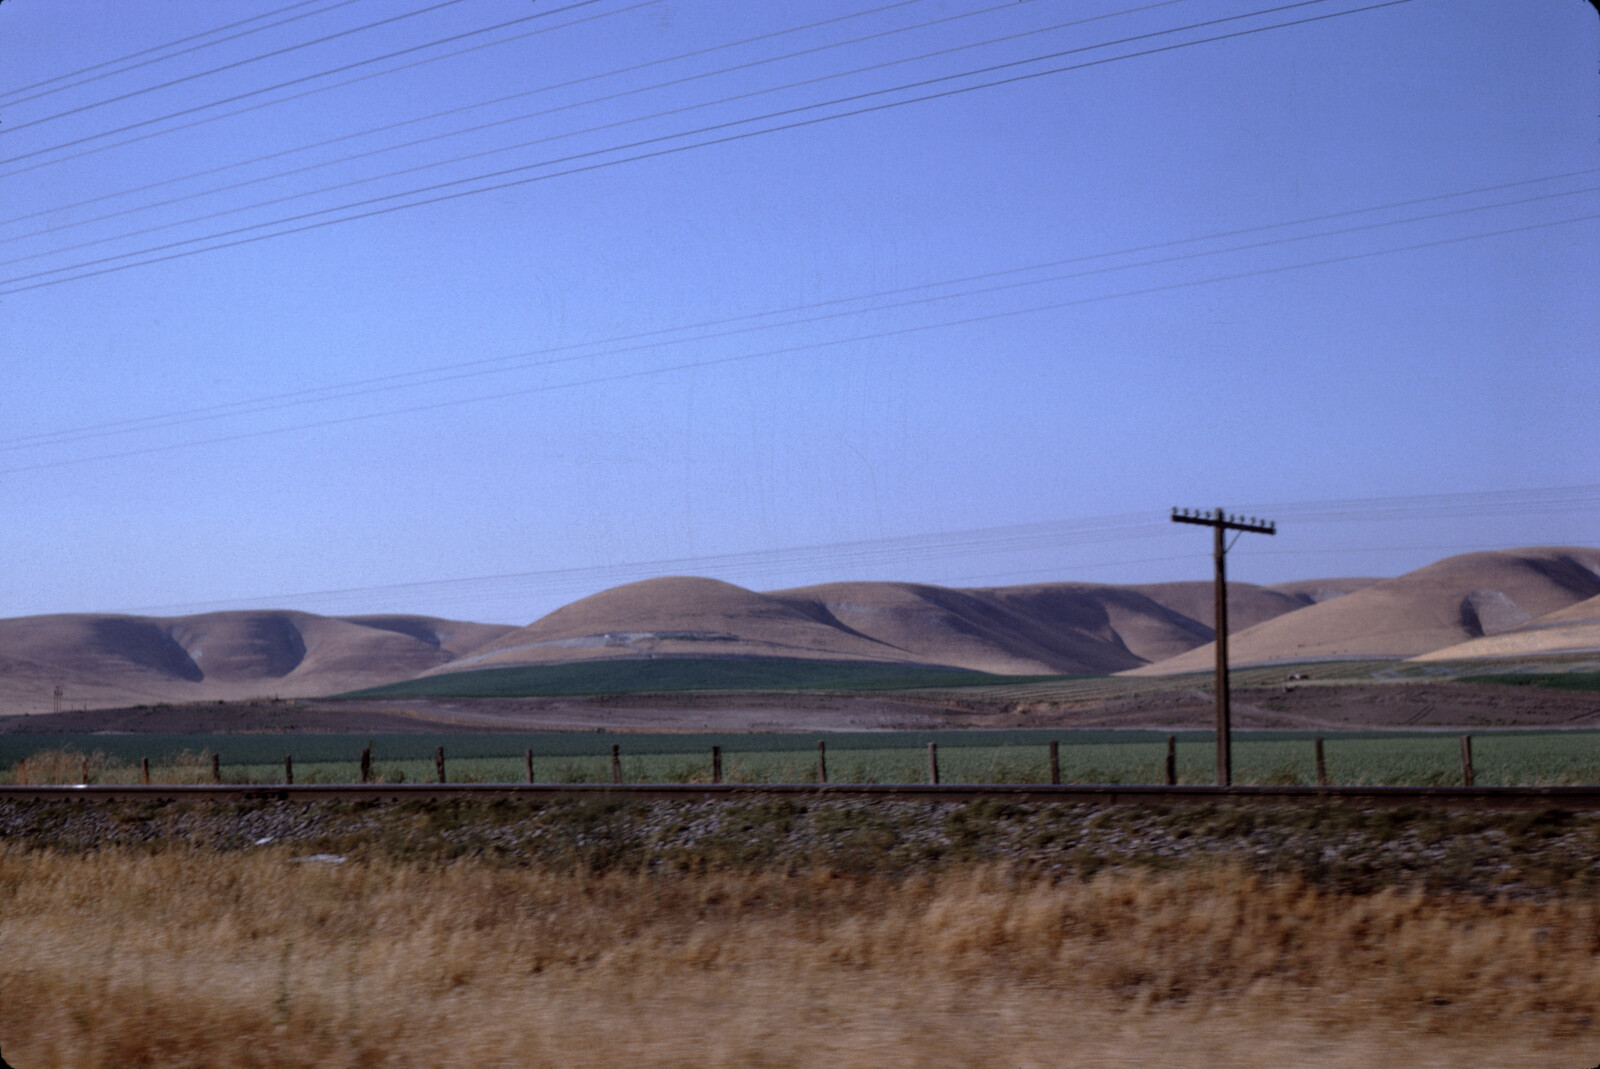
(1038, 629)
(102, 660)
(1526, 599)
(1438, 612)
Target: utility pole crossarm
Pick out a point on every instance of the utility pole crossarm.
(1220, 522)
(1227, 523)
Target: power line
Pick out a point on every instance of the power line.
(696, 107)
(931, 546)
(446, 112)
(745, 317)
(462, 131)
(57, 228)
(1216, 252)
(130, 94)
(651, 154)
(927, 546)
(499, 365)
(300, 95)
(305, 78)
(744, 358)
(169, 55)
(1502, 502)
(1324, 551)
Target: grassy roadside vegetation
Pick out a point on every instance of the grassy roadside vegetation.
(702, 935)
(1430, 758)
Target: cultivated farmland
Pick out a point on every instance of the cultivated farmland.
(1117, 757)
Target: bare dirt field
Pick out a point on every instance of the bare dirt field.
(1345, 707)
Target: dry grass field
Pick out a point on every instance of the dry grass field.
(187, 958)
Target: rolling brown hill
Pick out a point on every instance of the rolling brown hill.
(106, 660)
(1575, 629)
(1480, 604)
(1039, 629)
(676, 616)
(1455, 600)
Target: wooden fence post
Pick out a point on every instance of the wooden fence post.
(1466, 760)
(1172, 760)
(1055, 763)
(716, 764)
(366, 764)
(438, 761)
(528, 757)
(144, 771)
(288, 769)
(933, 763)
(822, 761)
(216, 768)
(1322, 765)
(616, 763)
(85, 778)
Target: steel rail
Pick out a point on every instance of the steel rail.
(1482, 798)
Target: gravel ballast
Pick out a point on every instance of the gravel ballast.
(1519, 855)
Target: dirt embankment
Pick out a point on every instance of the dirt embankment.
(1349, 707)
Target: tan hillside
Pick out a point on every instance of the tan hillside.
(676, 616)
(1575, 629)
(103, 660)
(1052, 628)
(1022, 630)
(1045, 628)
(1525, 600)
(1315, 591)
(1446, 603)
(1248, 604)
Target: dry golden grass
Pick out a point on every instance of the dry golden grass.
(74, 766)
(221, 960)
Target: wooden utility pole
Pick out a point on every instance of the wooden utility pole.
(1220, 523)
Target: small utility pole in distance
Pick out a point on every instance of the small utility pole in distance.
(1220, 522)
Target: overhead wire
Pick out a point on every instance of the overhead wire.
(1256, 550)
(891, 550)
(1474, 503)
(167, 419)
(56, 228)
(932, 546)
(8, 93)
(309, 77)
(440, 197)
(447, 112)
(313, 91)
(499, 365)
(1329, 511)
(563, 135)
(660, 114)
(1276, 241)
(788, 350)
(235, 65)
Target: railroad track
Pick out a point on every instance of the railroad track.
(1482, 798)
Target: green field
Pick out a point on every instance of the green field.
(1500, 758)
(678, 674)
(671, 675)
(1555, 680)
(1562, 672)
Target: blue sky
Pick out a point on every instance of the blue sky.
(1338, 271)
